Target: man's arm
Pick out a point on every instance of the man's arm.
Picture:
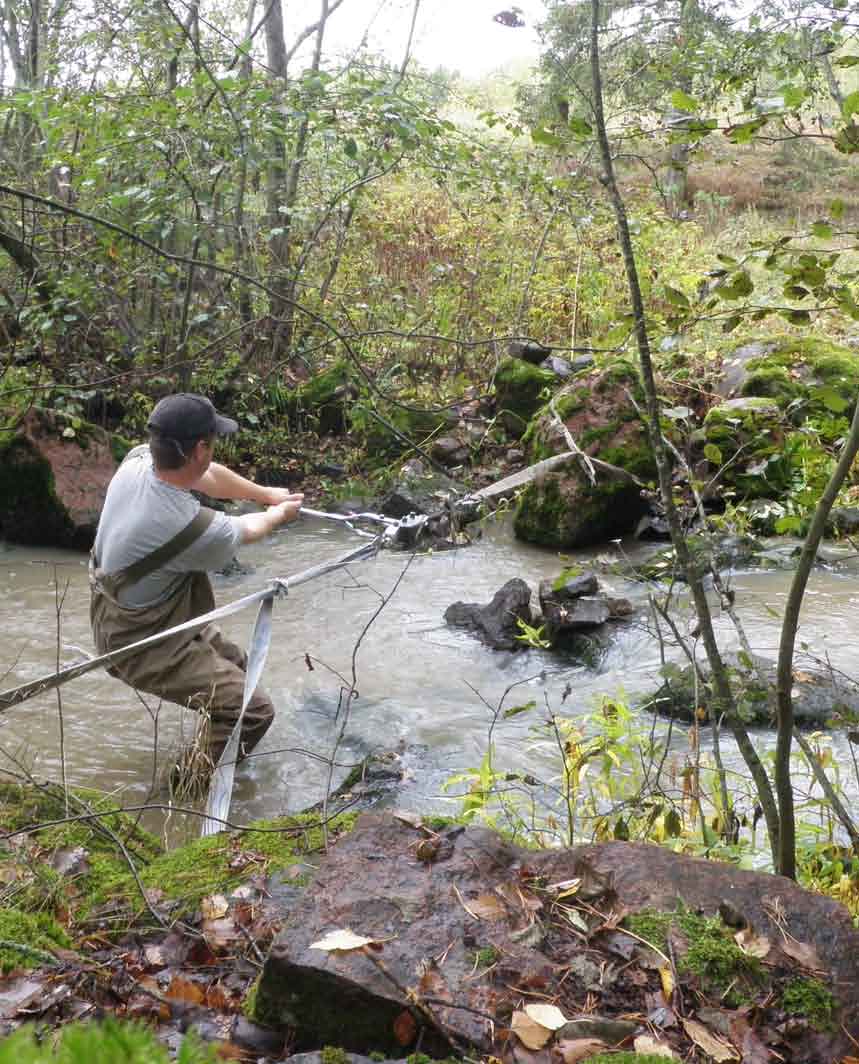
(222, 483)
(257, 526)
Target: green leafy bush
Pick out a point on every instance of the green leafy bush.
(107, 1043)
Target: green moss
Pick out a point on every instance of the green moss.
(798, 367)
(322, 400)
(486, 957)
(185, 875)
(203, 866)
(812, 1000)
(30, 511)
(712, 955)
(333, 1055)
(568, 574)
(560, 510)
(39, 931)
(521, 388)
(119, 447)
(107, 1043)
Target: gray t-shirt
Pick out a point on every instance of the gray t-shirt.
(140, 514)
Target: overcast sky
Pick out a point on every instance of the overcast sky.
(457, 34)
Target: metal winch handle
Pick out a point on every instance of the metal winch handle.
(393, 529)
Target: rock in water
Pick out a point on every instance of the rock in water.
(495, 624)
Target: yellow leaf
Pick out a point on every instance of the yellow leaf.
(531, 1034)
(547, 1016)
(667, 980)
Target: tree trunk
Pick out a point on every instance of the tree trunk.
(724, 696)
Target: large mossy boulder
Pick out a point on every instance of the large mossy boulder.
(821, 697)
(744, 440)
(520, 391)
(809, 375)
(564, 508)
(53, 481)
(324, 399)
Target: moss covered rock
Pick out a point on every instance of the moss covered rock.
(322, 401)
(743, 443)
(53, 480)
(807, 374)
(563, 509)
(520, 390)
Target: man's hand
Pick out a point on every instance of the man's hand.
(273, 496)
(255, 526)
(287, 508)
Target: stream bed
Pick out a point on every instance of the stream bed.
(426, 691)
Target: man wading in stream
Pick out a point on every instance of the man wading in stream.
(148, 573)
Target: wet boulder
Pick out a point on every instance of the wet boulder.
(53, 480)
(495, 624)
(450, 451)
(572, 604)
(821, 697)
(461, 920)
(565, 508)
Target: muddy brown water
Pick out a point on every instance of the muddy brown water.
(424, 690)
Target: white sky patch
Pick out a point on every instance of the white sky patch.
(456, 34)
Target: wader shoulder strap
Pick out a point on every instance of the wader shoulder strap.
(140, 569)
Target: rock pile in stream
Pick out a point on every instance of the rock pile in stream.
(570, 605)
(461, 933)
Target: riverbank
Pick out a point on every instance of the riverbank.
(578, 952)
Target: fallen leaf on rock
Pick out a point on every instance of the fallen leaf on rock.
(345, 940)
(410, 819)
(487, 907)
(801, 952)
(647, 1044)
(530, 1033)
(214, 907)
(405, 1028)
(154, 957)
(182, 989)
(752, 944)
(547, 1016)
(714, 1047)
(18, 993)
(565, 887)
(220, 934)
(573, 1050)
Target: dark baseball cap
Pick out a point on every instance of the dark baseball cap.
(186, 417)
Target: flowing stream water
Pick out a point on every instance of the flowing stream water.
(425, 690)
